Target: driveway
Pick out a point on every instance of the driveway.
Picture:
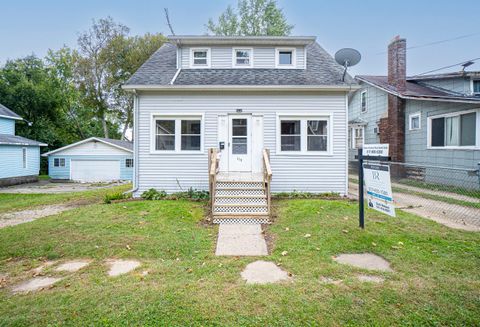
(47, 187)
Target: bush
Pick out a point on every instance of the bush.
(115, 196)
(153, 194)
(304, 195)
(191, 194)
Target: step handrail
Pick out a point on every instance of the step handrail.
(267, 175)
(213, 164)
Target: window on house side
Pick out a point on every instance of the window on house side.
(200, 57)
(59, 162)
(165, 135)
(304, 135)
(459, 130)
(414, 121)
(363, 101)
(317, 135)
(24, 157)
(290, 135)
(191, 135)
(476, 88)
(285, 58)
(129, 163)
(178, 134)
(242, 57)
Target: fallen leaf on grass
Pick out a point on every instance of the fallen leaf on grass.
(128, 247)
(307, 235)
(284, 253)
(287, 229)
(374, 244)
(345, 231)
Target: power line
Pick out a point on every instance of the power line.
(437, 42)
(449, 66)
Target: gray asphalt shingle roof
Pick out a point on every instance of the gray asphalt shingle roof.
(160, 69)
(7, 139)
(4, 111)
(124, 144)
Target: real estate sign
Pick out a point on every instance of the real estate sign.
(375, 150)
(379, 188)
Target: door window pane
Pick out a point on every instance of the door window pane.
(239, 127)
(290, 135)
(316, 135)
(165, 137)
(239, 145)
(438, 132)
(468, 129)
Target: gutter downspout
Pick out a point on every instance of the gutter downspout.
(175, 76)
(135, 145)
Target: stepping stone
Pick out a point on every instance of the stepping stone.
(263, 272)
(44, 265)
(371, 279)
(364, 260)
(328, 280)
(72, 266)
(35, 284)
(241, 240)
(120, 267)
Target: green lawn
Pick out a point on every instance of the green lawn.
(436, 279)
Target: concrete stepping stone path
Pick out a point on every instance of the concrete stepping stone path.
(368, 261)
(120, 267)
(371, 279)
(241, 240)
(263, 272)
(35, 284)
(72, 266)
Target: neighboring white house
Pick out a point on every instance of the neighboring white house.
(92, 160)
(240, 95)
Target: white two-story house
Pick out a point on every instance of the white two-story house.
(243, 117)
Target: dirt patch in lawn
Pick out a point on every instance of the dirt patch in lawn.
(25, 216)
(35, 284)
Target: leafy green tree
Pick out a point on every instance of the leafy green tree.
(254, 18)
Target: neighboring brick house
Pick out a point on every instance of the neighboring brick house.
(427, 119)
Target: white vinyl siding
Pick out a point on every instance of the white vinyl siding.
(222, 57)
(173, 172)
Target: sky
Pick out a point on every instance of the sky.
(35, 26)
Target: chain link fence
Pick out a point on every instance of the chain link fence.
(448, 195)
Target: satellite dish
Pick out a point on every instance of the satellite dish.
(347, 57)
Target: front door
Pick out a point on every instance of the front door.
(240, 143)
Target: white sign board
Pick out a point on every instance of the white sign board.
(375, 150)
(379, 188)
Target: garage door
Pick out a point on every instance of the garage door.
(95, 170)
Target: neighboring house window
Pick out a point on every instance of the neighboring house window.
(453, 130)
(309, 134)
(178, 134)
(242, 57)
(200, 58)
(129, 163)
(285, 58)
(356, 137)
(24, 157)
(59, 162)
(414, 121)
(476, 87)
(363, 101)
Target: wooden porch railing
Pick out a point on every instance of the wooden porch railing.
(212, 173)
(267, 176)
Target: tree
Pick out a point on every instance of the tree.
(94, 66)
(255, 17)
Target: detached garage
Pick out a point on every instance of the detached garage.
(95, 159)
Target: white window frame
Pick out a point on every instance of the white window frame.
(178, 132)
(352, 128)
(450, 147)
(24, 158)
(304, 117)
(473, 80)
(234, 57)
(192, 61)
(294, 58)
(126, 163)
(60, 161)
(366, 101)
(410, 118)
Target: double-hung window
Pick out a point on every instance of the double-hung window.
(129, 163)
(304, 134)
(200, 58)
(356, 137)
(177, 134)
(242, 57)
(59, 162)
(454, 130)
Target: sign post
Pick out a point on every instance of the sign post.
(376, 178)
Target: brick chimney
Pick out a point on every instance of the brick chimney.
(397, 63)
(392, 127)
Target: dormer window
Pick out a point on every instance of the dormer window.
(476, 87)
(200, 58)
(242, 57)
(285, 58)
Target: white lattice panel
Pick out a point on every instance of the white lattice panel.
(240, 209)
(240, 200)
(239, 192)
(239, 185)
(245, 221)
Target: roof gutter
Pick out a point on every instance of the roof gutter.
(283, 88)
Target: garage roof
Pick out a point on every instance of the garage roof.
(124, 145)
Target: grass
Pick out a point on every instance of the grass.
(436, 278)
(14, 202)
(436, 197)
(439, 187)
